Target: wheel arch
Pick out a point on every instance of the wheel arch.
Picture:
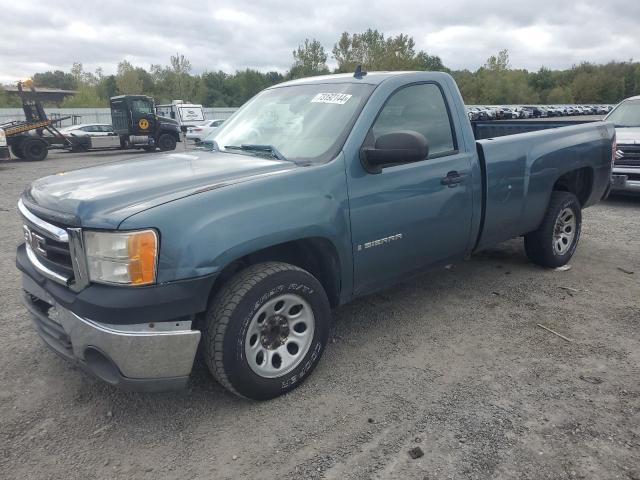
(317, 255)
(578, 181)
(174, 133)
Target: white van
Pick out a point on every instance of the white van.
(187, 114)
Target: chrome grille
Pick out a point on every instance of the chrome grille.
(51, 252)
(627, 156)
(56, 252)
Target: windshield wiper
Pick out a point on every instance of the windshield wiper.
(249, 147)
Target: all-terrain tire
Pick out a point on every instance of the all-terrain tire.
(238, 305)
(555, 241)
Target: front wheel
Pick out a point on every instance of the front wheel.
(266, 330)
(166, 142)
(556, 239)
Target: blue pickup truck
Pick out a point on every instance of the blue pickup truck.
(315, 192)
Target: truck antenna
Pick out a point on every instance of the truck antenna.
(359, 73)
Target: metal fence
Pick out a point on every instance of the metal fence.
(96, 115)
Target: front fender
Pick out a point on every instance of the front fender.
(202, 233)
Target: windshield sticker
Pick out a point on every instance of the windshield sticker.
(335, 98)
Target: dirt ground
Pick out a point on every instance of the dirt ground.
(451, 362)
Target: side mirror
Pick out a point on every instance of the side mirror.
(183, 128)
(395, 148)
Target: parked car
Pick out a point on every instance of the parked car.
(535, 112)
(554, 111)
(626, 167)
(490, 112)
(200, 132)
(522, 113)
(319, 190)
(480, 113)
(508, 113)
(88, 130)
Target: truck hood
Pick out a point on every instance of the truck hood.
(628, 135)
(105, 195)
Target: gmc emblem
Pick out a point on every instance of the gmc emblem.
(35, 241)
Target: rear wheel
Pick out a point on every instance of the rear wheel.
(556, 239)
(16, 151)
(34, 149)
(266, 330)
(166, 142)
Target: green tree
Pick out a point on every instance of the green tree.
(308, 60)
(8, 101)
(427, 62)
(128, 79)
(55, 79)
(87, 96)
(180, 68)
(498, 63)
(107, 87)
(375, 52)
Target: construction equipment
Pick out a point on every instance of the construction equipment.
(25, 138)
(135, 123)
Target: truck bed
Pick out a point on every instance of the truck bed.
(500, 128)
(520, 168)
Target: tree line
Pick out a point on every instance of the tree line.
(495, 83)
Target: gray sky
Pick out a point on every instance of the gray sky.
(228, 35)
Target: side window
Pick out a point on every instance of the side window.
(420, 108)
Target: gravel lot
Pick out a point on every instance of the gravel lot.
(451, 362)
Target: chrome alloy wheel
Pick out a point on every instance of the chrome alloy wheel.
(279, 335)
(564, 231)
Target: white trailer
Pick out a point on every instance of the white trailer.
(187, 114)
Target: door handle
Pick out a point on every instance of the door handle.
(452, 179)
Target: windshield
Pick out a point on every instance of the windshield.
(303, 122)
(142, 106)
(627, 114)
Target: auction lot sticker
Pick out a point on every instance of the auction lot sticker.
(336, 98)
(143, 124)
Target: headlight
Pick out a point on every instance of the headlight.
(3, 138)
(122, 257)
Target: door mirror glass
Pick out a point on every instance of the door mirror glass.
(395, 148)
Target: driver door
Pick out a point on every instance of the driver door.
(408, 217)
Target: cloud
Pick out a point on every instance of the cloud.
(229, 35)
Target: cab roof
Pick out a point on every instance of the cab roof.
(371, 78)
(123, 97)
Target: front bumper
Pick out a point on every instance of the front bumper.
(625, 180)
(142, 357)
